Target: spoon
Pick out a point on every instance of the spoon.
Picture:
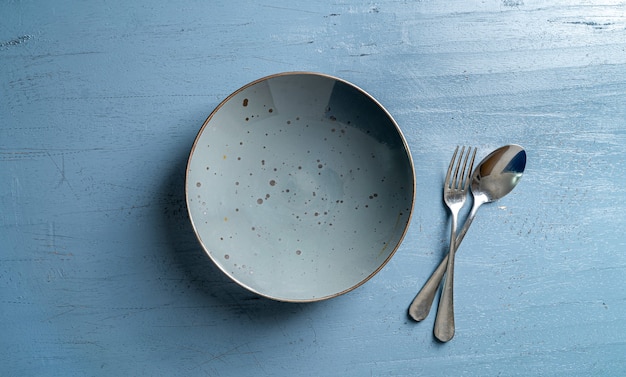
(494, 177)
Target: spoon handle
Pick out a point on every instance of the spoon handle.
(420, 307)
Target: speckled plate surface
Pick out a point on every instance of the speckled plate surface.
(300, 186)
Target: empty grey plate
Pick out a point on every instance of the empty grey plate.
(300, 186)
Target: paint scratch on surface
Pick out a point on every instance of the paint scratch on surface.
(512, 3)
(593, 24)
(70, 309)
(51, 235)
(61, 170)
(234, 351)
(16, 41)
(15, 189)
(603, 22)
(293, 9)
(15, 195)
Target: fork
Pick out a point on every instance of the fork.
(454, 195)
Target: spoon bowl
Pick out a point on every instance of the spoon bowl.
(499, 172)
(494, 177)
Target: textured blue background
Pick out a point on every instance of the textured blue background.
(101, 275)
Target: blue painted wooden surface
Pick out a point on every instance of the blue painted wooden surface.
(101, 275)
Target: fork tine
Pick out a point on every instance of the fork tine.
(462, 176)
(456, 181)
(448, 181)
(469, 167)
